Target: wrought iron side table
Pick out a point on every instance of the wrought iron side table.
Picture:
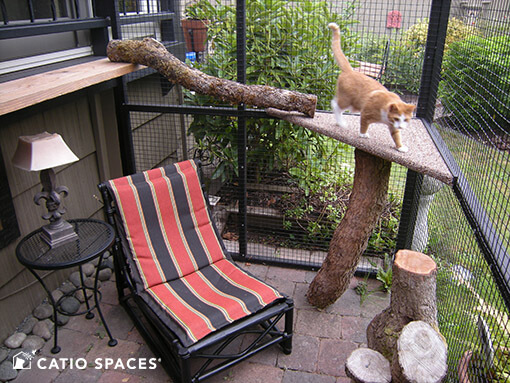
(94, 238)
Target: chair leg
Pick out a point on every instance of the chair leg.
(289, 322)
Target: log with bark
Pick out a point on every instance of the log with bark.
(350, 239)
(368, 366)
(421, 355)
(413, 298)
(153, 54)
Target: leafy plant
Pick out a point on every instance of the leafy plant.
(476, 80)
(288, 46)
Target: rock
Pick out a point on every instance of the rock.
(57, 294)
(7, 371)
(108, 263)
(27, 325)
(62, 319)
(80, 296)
(89, 282)
(67, 287)
(88, 269)
(15, 340)
(42, 330)
(3, 353)
(43, 311)
(105, 274)
(33, 343)
(70, 305)
(74, 278)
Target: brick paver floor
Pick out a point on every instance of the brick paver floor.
(322, 341)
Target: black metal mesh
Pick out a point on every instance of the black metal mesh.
(298, 182)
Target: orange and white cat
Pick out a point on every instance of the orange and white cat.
(359, 93)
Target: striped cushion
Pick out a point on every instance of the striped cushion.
(183, 273)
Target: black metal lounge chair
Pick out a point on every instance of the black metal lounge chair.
(177, 281)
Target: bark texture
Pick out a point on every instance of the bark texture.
(413, 298)
(421, 355)
(350, 239)
(368, 366)
(153, 54)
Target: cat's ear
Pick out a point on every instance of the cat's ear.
(393, 108)
(411, 108)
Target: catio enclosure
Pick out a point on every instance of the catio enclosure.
(282, 190)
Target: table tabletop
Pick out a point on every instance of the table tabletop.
(94, 237)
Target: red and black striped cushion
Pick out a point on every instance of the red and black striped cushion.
(183, 273)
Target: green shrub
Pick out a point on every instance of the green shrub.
(476, 83)
(288, 46)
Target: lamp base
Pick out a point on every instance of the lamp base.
(56, 236)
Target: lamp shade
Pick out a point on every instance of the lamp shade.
(42, 151)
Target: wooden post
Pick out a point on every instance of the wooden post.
(421, 355)
(413, 297)
(368, 366)
(350, 239)
(153, 54)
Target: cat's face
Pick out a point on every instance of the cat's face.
(399, 115)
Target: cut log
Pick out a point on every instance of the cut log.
(464, 366)
(421, 355)
(350, 239)
(153, 54)
(368, 366)
(413, 298)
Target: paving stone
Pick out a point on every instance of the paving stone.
(75, 279)
(74, 344)
(70, 305)
(42, 329)
(15, 340)
(319, 324)
(88, 375)
(27, 325)
(120, 377)
(306, 377)
(355, 329)
(248, 372)
(35, 374)
(4, 351)
(304, 356)
(88, 269)
(105, 274)
(7, 371)
(333, 354)
(43, 311)
(286, 273)
(33, 342)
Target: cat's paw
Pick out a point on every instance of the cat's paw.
(364, 135)
(403, 149)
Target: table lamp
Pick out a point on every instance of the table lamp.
(42, 152)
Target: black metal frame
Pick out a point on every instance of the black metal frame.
(209, 355)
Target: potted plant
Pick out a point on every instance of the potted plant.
(194, 26)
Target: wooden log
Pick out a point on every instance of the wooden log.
(413, 297)
(368, 366)
(153, 54)
(350, 239)
(464, 366)
(421, 355)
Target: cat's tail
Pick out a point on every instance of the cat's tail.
(340, 58)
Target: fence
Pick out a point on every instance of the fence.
(282, 189)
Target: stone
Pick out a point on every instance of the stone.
(108, 263)
(3, 353)
(70, 305)
(62, 319)
(7, 371)
(74, 278)
(88, 269)
(43, 311)
(57, 294)
(67, 287)
(33, 343)
(81, 297)
(42, 330)
(27, 325)
(89, 282)
(105, 274)
(15, 340)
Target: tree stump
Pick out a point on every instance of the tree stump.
(413, 297)
(368, 366)
(153, 54)
(350, 239)
(421, 355)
